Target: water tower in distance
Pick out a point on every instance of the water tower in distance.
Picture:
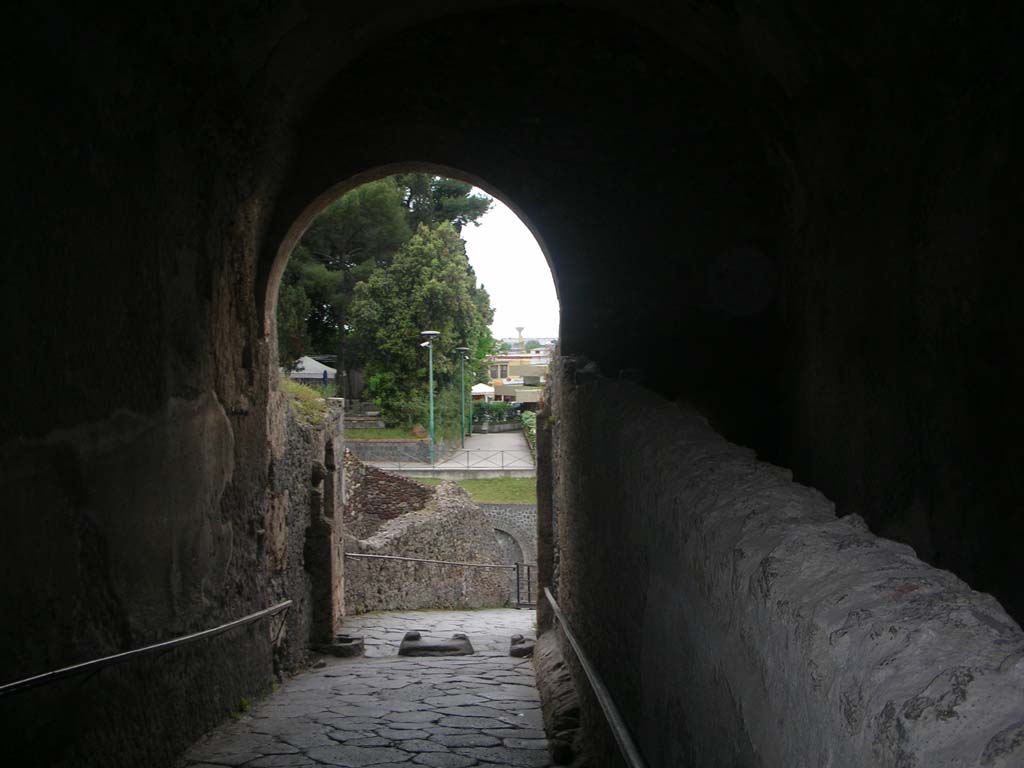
(521, 343)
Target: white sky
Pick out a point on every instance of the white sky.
(510, 265)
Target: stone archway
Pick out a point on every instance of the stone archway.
(664, 153)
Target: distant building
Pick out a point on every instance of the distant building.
(519, 377)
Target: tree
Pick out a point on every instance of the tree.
(432, 199)
(293, 307)
(352, 238)
(531, 344)
(428, 285)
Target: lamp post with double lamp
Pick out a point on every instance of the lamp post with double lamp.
(429, 344)
(463, 357)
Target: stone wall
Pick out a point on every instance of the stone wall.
(826, 154)
(303, 549)
(449, 527)
(400, 451)
(517, 520)
(766, 631)
(516, 528)
(392, 451)
(375, 496)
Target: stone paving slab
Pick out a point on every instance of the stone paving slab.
(385, 710)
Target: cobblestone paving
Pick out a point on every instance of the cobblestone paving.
(386, 711)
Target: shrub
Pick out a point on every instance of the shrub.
(496, 411)
(306, 403)
(529, 419)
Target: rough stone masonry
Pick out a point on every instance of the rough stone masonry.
(755, 627)
(448, 526)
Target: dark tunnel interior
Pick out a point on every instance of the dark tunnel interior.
(802, 222)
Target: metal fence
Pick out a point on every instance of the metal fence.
(480, 459)
(526, 584)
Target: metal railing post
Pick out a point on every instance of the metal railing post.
(519, 601)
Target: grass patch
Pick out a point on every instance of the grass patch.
(384, 433)
(306, 403)
(502, 490)
(495, 490)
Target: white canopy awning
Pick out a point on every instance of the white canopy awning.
(308, 368)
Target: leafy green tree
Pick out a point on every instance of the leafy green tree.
(430, 199)
(352, 238)
(293, 307)
(428, 285)
(531, 344)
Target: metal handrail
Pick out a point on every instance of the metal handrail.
(360, 555)
(119, 658)
(618, 727)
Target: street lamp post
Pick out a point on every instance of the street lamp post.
(429, 344)
(463, 351)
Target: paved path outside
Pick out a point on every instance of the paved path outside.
(490, 453)
(498, 441)
(386, 711)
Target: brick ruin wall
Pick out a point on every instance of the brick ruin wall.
(376, 496)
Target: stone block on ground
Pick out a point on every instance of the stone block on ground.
(520, 646)
(414, 645)
(343, 646)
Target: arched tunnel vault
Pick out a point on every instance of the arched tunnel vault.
(751, 226)
(802, 221)
(643, 242)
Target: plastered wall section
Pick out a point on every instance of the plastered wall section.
(738, 622)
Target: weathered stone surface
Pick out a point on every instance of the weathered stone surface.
(528, 758)
(305, 557)
(356, 756)
(559, 700)
(519, 521)
(444, 760)
(795, 637)
(343, 646)
(520, 646)
(414, 645)
(450, 527)
(376, 496)
(375, 711)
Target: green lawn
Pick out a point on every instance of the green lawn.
(387, 433)
(497, 490)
